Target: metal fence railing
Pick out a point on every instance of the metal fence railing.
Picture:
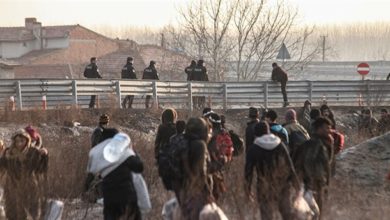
(29, 93)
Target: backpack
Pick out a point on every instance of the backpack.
(238, 143)
(169, 160)
(338, 141)
(221, 147)
(296, 138)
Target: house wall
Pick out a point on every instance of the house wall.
(56, 43)
(83, 44)
(7, 73)
(16, 49)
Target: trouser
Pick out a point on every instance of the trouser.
(147, 101)
(271, 205)
(92, 101)
(128, 101)
(284, 92)
(116, 211)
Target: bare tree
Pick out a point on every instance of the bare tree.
(208, 21)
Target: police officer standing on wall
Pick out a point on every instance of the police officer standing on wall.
(91, 71)
(190, 69)
(150, 73)
(200, 74)
(128, 72)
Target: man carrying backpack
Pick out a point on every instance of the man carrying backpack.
(313, 159)
(270, 158)
(279, 75)
(276, 128)
(221, 150)
(297, 134)
(128, 72)
(91, 71)
(190, 69)
(250, 127)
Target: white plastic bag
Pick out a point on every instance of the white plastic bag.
(143, 199)
(212, 212)
(302, 208)
(309, 198)
(168, 211)
(54, 209)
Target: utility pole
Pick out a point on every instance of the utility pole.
(323, 47)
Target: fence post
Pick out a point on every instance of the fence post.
(368, 84)
(225, 97)
(265, 94)
(118, 93)
(74, 92)
(311, 91)
(190, 96)
(19, 95)
(155, 99)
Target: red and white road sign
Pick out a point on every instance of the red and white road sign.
(363, 69)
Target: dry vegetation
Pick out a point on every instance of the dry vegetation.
(68, 148)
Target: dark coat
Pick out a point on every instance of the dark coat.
(189, 71)
(92, 71)
(128, 72)
(118, 185)
(250, 134)
(200, 74)
(164, 133)
(150, 73)
(279, 75)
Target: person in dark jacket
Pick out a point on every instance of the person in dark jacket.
(200, 74)
(276, 128)
(120, 198)
(384, 122)
(279, 75)
(327, 113)
(304, 115)
(313, 159)
(367, 124)
(190, 69)
(150, 73)
(314, 115)
(104, 120)
(91, 71)
(128, 72)
(250, 128)
(165, 130)
(270, 158)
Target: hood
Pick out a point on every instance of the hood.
(268, 141)
(276, 127)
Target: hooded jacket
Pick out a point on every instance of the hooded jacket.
(270, 157)
(250, 134)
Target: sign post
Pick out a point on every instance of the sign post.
(363, 69)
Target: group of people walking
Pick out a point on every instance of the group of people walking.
(290, 159)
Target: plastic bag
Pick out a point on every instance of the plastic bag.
(302, 208)
(309, 198)
(54, 209)
(212, 212)
(143, 199)
(168, 211)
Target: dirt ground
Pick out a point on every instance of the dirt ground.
(358, 191)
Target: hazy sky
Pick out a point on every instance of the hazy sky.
(156, 13)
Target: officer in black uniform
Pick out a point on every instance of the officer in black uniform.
(128, 72)
(190, 69)
(150, 73)
(200, 74)
(91, 71)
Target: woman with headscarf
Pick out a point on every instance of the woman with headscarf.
(23, 165)
(165, 130)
